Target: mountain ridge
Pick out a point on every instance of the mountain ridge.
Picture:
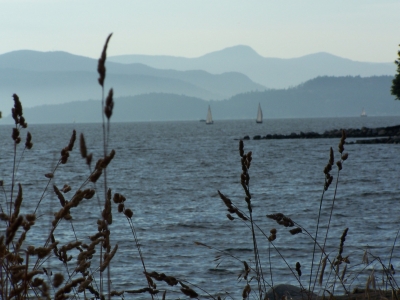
(320, 97)
(268, 71)
(37, 75)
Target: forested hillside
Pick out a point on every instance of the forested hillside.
(319, 97)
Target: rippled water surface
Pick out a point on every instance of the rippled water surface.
(170, 173)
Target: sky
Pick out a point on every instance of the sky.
(361, 30)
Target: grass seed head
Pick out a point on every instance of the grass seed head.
(331, 157)
(321, 273)
(15, 134)
(12, 229)
(85, 284)
(96, 175)
(189, 292)
(22, 122)
(89, 193)
(89, 159)
(16, 112)
(17, 105)
(109, 104)
(344, 136)
(107, 159)
(72, 140)
(328, 168)
(225, 199)
(30, 217)
(101, 68)
(66, 188)
(59, 195)
(298, 269)
(241, 148)
(295, 230)
(341, 146)
(240, 215)
(116, 198)
(18, 202)
(246, 291)
(230, 217)
(82, 146)
(28, 143)
(128, 213)
(4, 217)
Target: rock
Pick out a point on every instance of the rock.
(382, 132)
(290, 291)
(392, 135)
(374, 141)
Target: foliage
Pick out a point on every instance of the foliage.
(396, 81)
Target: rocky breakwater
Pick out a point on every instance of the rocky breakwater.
(380, 135)
(291, 292)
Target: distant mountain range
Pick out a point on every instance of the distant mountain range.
(270, 72)
(174, 88)
(319, 97)
(57, 77)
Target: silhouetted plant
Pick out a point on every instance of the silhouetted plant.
(395, 90)
(333, 276)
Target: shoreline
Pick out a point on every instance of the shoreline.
(378, 135)
(287, 291)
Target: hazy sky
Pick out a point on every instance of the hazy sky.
(361, 30)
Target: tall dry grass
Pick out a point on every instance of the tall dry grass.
(86, 262)
(79, 269)
(328, 272)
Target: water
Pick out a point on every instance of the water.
(170, 173)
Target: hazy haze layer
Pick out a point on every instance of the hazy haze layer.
(270, 72)
(320, 97)
(362, 30)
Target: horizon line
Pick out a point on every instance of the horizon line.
(196, 57)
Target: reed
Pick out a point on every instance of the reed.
(82, 267)
(85, 262)
(338, 272)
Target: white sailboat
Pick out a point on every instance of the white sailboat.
(209, 119)
(363, 113)
(259, 119)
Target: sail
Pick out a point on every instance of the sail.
(209, 119)
(363, 113)
(259, 114)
